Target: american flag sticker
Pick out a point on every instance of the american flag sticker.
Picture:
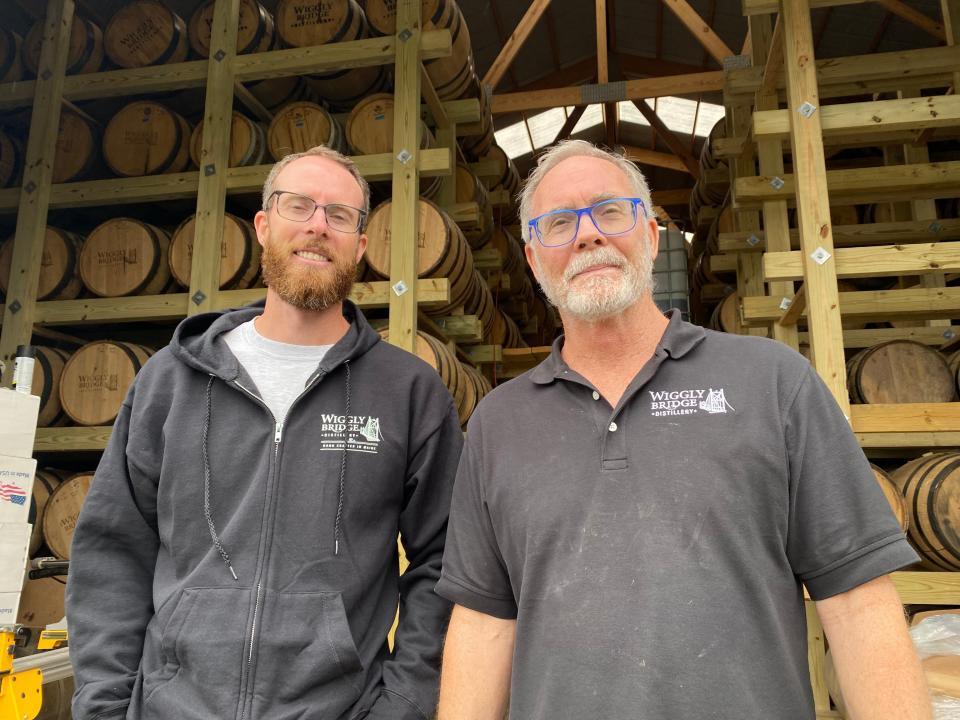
(13, 494)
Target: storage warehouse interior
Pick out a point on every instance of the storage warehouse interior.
(133, 151)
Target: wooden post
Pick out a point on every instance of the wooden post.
(816, 654)
(214, 159)
(18, 312)
(404, 225)
(767, 50)
(813, 202)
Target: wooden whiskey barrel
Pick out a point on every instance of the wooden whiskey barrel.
(146, 138)
(96, 378)
(892, 493)
(444, 360)
(931, 488)
(480, 303)
(11, 159)
(41, 604)
(506, 332)
(302, 23)
(477, 144)
(146, 32)
(59, 274)
(239, 253)
(11, 65)
(61, 513)
(47, 369)
(299, 126)
(45, 481)
(123, 256)
(77, 148)
(508, 178)
(255, 33)
(726, 315)
(248, 142)
(514, 264)
(470, 189)
(275, 93)
(85, 54)
(443, 251)
(369, 131)
(900, 371)
(477, 387)
(844, 215)
(451, 75)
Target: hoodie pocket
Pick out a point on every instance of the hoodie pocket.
(306, 657)
(202, 650)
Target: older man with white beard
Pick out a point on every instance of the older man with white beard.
(634, 519)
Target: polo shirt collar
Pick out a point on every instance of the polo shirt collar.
(678, 339)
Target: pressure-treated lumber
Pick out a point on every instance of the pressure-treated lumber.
(906, 417)
(764, 7)
(655, 158)
(257, 66)
(676, 145)
(691, 84)
(876, 261)
(934, 336)
(871, 305)
(213, 160)
(813, 202)
(700, 30)
(404, 218)
(34, 198)
(868, 117)
(513, 44)
(888, 233)
(914, 17)
(860, 185)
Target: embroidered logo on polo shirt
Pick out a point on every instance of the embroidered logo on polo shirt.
(688, 402)
(362, 433)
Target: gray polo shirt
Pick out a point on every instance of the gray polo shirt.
(653, 553)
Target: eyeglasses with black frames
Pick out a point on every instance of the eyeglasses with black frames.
(615, 216)
(300, 208)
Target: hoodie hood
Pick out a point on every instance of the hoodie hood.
(198, 343)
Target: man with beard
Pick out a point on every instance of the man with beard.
(634, 519)
(237, 553)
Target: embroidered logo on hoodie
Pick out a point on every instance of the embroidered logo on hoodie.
(360, 432)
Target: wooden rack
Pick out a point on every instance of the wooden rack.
(221, 78)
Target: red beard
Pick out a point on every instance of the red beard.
(304, 287)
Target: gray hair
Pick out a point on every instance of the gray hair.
(324, 152)
(577, 148)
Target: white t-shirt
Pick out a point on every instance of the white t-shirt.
(279, 370)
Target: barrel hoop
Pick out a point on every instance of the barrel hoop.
(346, 25)
(11, 56)
(154, 265)
(261, 29)
(247, 251)
(935, 523)
(72, 257)
(174, 41)
(441, 6)
(912, 482)
(47, 388)
(88, 47)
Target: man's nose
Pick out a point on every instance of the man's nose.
(588, 235)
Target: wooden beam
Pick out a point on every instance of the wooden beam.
(668, 198)
(813, 202)
(863, 185)
(950, 10)
(34, 194)
(889, 233)
(859, 74)
(934, 336)
(878, 261)
(572, 119)
(868, 117)
(871, 305)
(634, 65)
(914, 17)
(774, 62)
(699, 29)
(603, 72)
(656, 159)
(404, 216)
(746, 46)
(214, 158)
(929, 417)
(766, 7)
(694, 84)
(513, 44)
(797, 305)
(675, 144)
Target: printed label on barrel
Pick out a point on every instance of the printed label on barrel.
(316, 14)
(121, 256)
(135, 39)
(98, 382)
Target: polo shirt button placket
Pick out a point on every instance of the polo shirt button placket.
(596, 395)
(612, 427)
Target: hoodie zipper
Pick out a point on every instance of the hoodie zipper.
(277, 439)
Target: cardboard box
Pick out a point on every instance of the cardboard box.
(16, 488)
(9, 603)
(14, 555)
(18, 423)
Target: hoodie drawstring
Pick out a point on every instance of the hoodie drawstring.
(206, 482)
(343, 466)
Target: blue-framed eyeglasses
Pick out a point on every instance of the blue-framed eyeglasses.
(615, 216)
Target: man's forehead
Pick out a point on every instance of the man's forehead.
(300, 170)
(581, 179)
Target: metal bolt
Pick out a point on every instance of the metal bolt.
(198, 297)
(777, 183)
(807, 109)
(400, 288)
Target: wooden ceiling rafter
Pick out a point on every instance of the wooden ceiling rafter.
(699, 29)
(655, 158)
(881, 31)
(822, 27)
(552, 36)
(712, 14)
(915, 18)
(693, 129)
(508, 67)
(516, 40)
(572, 119)
(675, 144)
(638, 65)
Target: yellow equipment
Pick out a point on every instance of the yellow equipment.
(20, 692)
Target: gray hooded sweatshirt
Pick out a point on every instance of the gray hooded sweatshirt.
(225, 566)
